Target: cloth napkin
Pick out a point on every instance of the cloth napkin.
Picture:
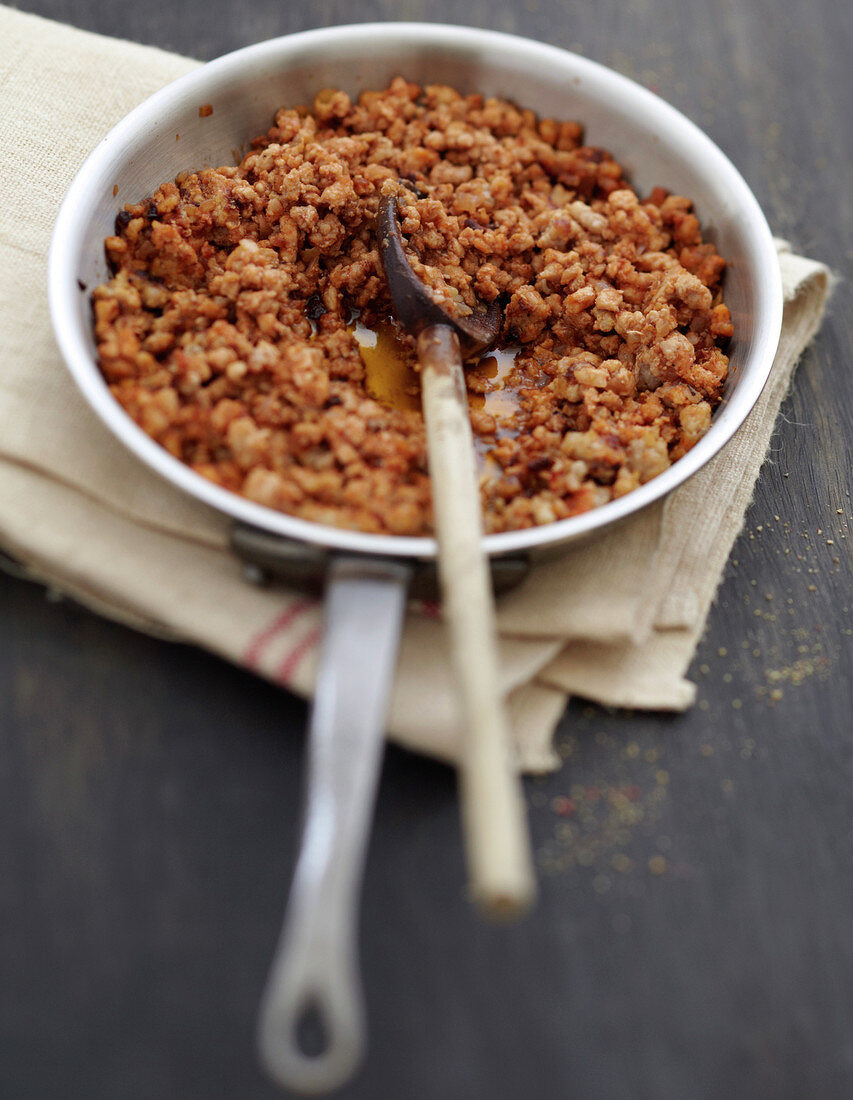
(616, 622)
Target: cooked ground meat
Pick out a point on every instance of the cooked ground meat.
(228, 328)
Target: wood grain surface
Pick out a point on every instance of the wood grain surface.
(694, 932)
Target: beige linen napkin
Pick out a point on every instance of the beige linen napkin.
(617, 622)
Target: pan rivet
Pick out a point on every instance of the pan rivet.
(255, 575)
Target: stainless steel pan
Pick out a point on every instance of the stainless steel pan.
(367, 576)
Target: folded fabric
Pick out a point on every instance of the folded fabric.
(617, 621)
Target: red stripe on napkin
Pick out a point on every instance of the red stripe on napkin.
(282, 621)
(291, 662)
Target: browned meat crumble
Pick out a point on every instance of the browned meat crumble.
(227, 329)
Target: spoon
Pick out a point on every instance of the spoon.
(498, 847)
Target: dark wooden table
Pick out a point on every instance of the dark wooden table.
(697, 945)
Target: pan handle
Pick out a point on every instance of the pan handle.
(314, 983)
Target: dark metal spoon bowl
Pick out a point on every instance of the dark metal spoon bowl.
(414, 305)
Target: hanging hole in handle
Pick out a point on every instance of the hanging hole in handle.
(311, 1043)
(310, 1030)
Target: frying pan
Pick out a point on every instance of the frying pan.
(367, 576)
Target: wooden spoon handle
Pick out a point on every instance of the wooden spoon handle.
(494, 818)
